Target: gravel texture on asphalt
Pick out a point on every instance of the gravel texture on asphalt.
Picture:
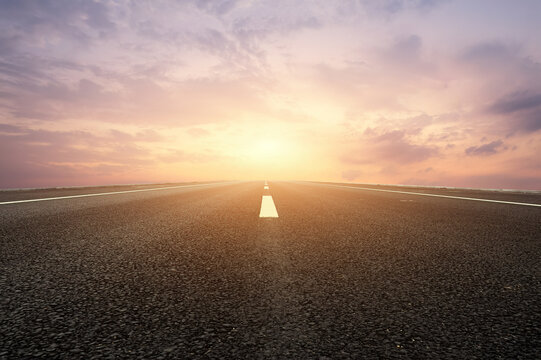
(342, 273)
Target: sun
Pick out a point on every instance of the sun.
(271, 155)
(269, 148)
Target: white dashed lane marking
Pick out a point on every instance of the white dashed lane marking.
(267, 207)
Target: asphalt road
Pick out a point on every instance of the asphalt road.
(341, 273)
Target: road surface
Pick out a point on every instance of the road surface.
(195, 272)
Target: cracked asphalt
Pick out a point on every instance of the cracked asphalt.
(342, 273)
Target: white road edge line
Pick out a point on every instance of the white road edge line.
(109, 193)
(267, 207)
(433, 195)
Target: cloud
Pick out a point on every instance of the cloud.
(197, 132)
(178, 156)
(10, 129)
(38, 145)
(392, 7)
(44, 21)
(8, 43)
(486, 149)
(39, 90)
(39, 98)
(403, 58)
(505, 87)
(388, 147)
(363, 84)
(147, 135)
(75, 157)
(282, 20)
(405, 49)
(489, 51)
(217, 7)
(516, 102)
(44, 156)
(521, 110)
(505, 64)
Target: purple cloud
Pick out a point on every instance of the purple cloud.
(486, 149)
(70, 157)
(522, 111)
(388, 147)
(393, 7)
(516, 102)
(38, 20)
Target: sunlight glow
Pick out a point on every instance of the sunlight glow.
(269, 148)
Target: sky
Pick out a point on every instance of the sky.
(418, 92)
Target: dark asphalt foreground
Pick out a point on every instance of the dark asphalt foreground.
(342, 273)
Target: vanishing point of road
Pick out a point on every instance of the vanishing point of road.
(282, 270)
